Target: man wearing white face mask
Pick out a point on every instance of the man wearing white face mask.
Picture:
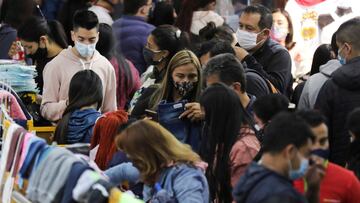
(259, 51)
(58, 72)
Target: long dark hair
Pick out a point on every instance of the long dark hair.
(106, 47)
(223, 118)
(35, 27)
(184, 19)
(321, 56)
(85, 89)
(167, 37)
(14, 12)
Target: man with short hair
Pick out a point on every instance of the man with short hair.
(338, 184)
(59, 71)
(286, 146)
(341, 93)
(259, 51)
(227, 69)
(132, 30)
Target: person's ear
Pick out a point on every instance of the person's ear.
(289, 152)
(43, 42)
(237, 86)
(73, 37)
(266, 32)
(165, 53)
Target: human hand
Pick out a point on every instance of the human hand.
(240, 52)
(193, 112)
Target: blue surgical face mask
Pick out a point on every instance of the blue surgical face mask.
(296, 174)
(341, 59)
(85, 50)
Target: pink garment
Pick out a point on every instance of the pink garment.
(15, 109)
(25, 143)
(242, 153)
(57, 75)
(124, 95)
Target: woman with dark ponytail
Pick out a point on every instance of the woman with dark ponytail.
(127, 76)
(85, 99)
(42, 40)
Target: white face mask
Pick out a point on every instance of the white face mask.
(279, 33)
(85, 50)
(247, 40)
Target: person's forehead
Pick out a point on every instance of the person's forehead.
(187, 68)
(250, 19)
(82, 32)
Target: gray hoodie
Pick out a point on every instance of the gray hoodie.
(315, 82)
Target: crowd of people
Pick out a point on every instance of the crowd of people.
(170, 98)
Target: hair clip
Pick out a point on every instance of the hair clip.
(178, 33)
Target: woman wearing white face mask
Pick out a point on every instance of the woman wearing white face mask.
(282, 32)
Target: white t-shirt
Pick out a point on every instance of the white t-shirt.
(102, 14)
(202, 18)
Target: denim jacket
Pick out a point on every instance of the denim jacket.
(182, 182)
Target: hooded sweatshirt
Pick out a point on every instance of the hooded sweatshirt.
(80, 126)
(315, 82)
(337, 98)
(57, 76)
(260, 184)
(7, 37)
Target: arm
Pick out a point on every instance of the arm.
(304, 102)
(191, 187)
(109, 102)
(123, 172)
(279, 67)
(52, 107)
(240, 157)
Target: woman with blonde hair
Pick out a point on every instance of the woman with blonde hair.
(181, 87)
(164, 163)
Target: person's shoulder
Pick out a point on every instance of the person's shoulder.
(339, 171)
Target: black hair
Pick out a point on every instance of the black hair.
(333, 45)
(228, 68)
(162, 14)
(131, 7)
(205, 47)
(66, 14)
(15, 12)
(85, 19)
(106, 47)
(349, 32)
(167, 37)
(221, 47)
(266, 107)
(223, 119)
(85, 89)
(266, 18)
(353, 122)
(321, 56)
(210, 31)
(284, 129)
(35, 27)
(312, 117)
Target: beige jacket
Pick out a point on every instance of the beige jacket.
(58, 73)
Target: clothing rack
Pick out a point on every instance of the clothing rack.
(18, 195)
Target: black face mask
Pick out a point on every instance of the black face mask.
(149, 55)
(40, 54)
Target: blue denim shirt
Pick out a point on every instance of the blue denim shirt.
(183, 182)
